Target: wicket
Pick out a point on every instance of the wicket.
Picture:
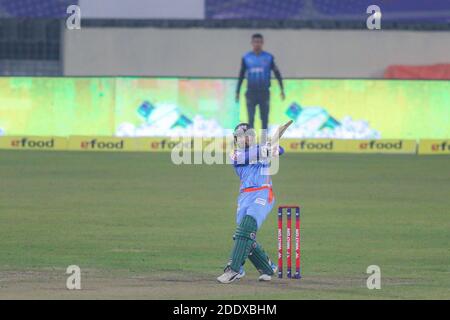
(288, 241)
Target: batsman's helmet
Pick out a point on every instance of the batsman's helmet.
(242, 131)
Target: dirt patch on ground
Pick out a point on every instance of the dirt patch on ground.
(51, 284)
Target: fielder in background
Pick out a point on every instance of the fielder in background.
(257, 65)
(251, 163)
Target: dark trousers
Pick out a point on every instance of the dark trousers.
(261, 98)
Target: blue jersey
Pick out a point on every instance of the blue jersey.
(257, 68)
(251, 168)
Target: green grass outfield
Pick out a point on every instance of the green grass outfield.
(134, 216)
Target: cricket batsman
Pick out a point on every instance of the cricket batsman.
(251, 163)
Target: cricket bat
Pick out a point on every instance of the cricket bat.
(280, 131)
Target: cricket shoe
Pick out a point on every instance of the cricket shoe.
(266, 277)
(241, 273)
(228, 276)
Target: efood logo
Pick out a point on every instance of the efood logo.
(163, 144)
(440, 146)
(33, 143)
(102, 145)
(189, 144)
(379, 145)
(312, 145)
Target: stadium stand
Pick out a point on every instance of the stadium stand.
(32, 32)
